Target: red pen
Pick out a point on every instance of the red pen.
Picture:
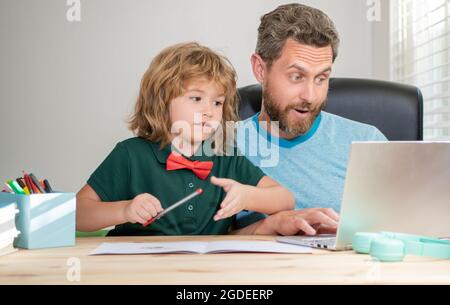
(173, 206)
(29, 183)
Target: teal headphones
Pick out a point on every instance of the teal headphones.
(392, 247)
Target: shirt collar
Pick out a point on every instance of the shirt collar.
(284, 142)
(162, 154)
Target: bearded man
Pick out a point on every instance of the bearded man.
(296, 48)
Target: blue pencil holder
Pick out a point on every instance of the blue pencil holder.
(44, 220)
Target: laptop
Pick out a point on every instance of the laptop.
(391, 186)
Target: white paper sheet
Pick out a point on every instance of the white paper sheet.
(199, 247)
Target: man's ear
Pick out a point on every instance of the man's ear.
(259, 68)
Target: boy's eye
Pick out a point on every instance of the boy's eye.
(196, 98)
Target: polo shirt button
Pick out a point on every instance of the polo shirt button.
(190, 207)
(191, 185)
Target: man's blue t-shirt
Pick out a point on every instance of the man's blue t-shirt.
(312, 166)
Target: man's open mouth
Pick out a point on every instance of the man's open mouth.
(302, 111)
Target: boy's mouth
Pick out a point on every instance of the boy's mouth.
(200, 124)
(205, 125)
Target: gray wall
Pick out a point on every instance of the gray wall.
(67, 88)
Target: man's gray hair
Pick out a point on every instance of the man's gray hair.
(302, 23)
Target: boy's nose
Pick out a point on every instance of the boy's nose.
(208, 110)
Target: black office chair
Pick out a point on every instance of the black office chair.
(395, 109)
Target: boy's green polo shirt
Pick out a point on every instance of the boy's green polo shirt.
(137, 166)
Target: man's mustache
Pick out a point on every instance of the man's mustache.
(303, 106)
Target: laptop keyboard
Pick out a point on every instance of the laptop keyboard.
(320, 242)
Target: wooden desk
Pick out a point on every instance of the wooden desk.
(323, 267)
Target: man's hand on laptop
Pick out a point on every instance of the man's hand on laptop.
(300, 222)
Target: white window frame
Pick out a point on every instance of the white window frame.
(420, 56)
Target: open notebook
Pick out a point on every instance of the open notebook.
(199, 247)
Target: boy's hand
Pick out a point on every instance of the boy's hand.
(142, 208)
(236, 199)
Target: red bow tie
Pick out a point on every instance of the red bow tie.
(200, 169)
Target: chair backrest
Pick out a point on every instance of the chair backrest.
(395, 109)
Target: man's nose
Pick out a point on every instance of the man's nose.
(308, 93)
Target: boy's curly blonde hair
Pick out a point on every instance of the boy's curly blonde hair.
(165, 79)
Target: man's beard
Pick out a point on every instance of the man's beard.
(294, 129)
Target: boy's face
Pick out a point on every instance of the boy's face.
(197, 113)
(295, 87)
